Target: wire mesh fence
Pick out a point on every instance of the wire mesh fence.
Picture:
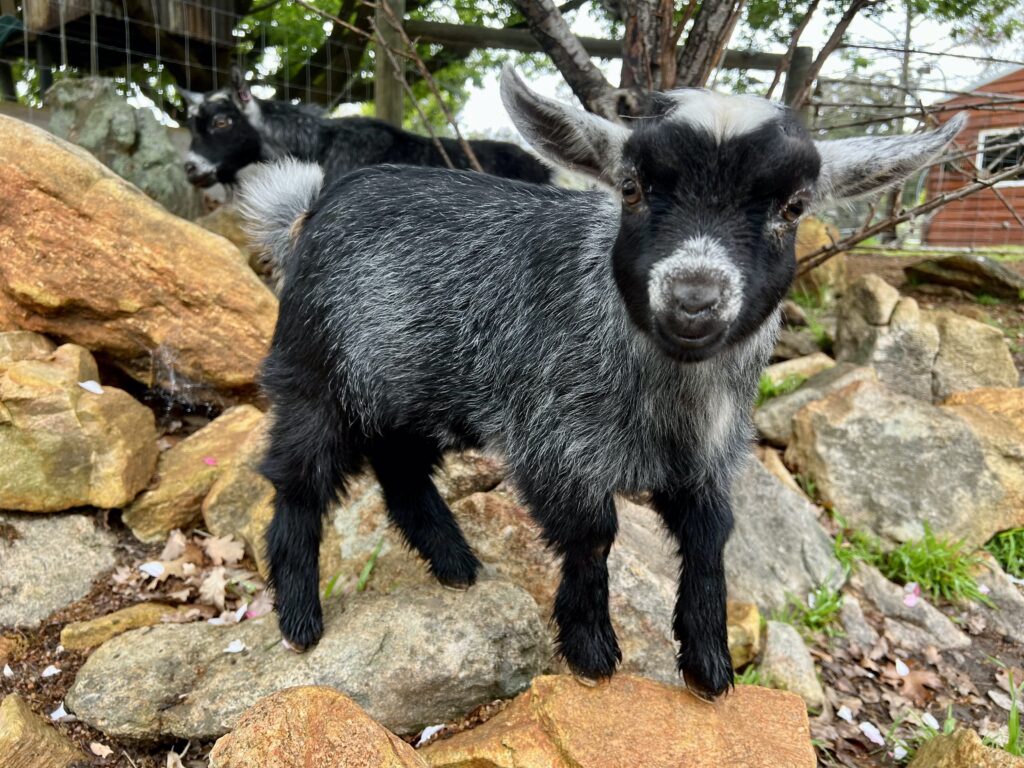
(153, 47)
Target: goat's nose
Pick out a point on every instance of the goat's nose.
(190, 167)
(695, 296)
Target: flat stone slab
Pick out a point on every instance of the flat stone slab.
(48, 562)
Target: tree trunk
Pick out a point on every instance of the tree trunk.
(712, 27)
(648, 48)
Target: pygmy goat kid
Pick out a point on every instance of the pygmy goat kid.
(603, 341)
(232, 129)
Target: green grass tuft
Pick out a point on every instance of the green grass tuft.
(819, 614)
(1008, 548)
(751, 675)
(767, 389)
(988, 301)
(942, 568)
(364, 575)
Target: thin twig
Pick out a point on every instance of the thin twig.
(396, 23)
(820, 256)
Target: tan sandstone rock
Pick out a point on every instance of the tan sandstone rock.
(1005, 402)
(799, 367)
(27, 741)
(892, 463)
(312, 727)
(79, 635)
(630, 721)
(962, 749)
(61, 445)
(811, 235)
(186, 473)
(89, 258)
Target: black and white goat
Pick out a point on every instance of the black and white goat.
(602, 341)
(232, 129)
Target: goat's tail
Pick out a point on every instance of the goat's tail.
(274, 200)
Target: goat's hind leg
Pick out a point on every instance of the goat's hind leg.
(701, 524)
(309, 456)
(403, 465)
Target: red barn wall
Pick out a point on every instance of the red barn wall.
(981, 219)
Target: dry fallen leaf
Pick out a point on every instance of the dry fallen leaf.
(914, 686)
(223, 550)
(212, 590)
(175, 546)
(100, 750)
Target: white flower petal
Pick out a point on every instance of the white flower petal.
(8, 672)
(901, 668)
(59, 713)
(844, 713)
(429, 731)
(153, 568)
(51, 671)
(235, 646)
(873, 734)
(929, 719)
(899, 752)
(91, 386)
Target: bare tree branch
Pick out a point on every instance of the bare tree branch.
(794, 42)
(552, 31)
(820, 256)
(834, 40)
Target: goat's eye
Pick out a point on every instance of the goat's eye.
(220, 122)
(795, 208)
(631, 193)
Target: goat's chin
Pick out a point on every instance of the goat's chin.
(687, 350)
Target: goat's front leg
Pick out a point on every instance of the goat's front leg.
(582, 533)
(701, 523)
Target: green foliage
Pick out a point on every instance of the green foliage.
(1015, 736)
(364, 575)
(819, 614)
(751, 675)
(923, 733)
(808, 485)
(1008, 548)
(942, 568)
(814, 300)
(767, 388)
(988, 301)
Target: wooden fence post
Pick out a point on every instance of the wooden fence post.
(799, 68)
(388, 95)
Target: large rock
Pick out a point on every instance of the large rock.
(971, 355)
(28, 741)
(925, 355)
(1006, 614)
(969, 272)
(962, 749)
(48, 562)
(798, 368)
(830, 277)
(61, 445)
(892, 463)
(187, 471)
(630, 721)
(1004, 402)
(774, 418)
(89, 258)
(312, 727)
(418, 656)
(89, 112)
(787, 664)
(777, 548)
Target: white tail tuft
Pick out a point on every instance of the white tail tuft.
(272, 199)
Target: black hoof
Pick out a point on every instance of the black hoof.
(592, 653)
(707, 677)
(456, 572)
(301, 630)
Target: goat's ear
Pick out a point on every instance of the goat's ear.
(191, 100)
(855, 167)
(239, 87)
(564, 135)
